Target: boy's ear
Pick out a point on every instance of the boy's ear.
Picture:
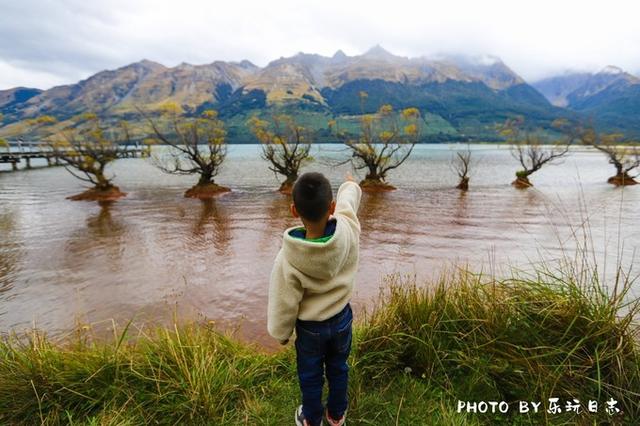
(332, 207)
(294, 212)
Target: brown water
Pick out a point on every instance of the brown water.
(155, 252)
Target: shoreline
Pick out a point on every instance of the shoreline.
(415, 357)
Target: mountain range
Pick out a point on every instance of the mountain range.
(609, 98)
(461, 98)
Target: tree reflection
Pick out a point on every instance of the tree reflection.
(103, 225)
(461, 208)
(213, 214)
(101, 243)
(373, 207)
(277, 219)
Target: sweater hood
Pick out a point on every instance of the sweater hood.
(315, 259)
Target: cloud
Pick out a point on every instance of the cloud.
(45, 42)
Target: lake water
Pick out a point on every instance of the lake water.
(155, 253)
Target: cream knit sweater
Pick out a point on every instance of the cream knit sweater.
(313, 280)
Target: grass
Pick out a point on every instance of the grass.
(558, 333)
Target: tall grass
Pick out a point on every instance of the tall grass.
(185, 375)
(556, 332)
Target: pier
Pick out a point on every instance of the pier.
(20, 151)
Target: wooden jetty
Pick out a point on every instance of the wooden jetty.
(26, 151)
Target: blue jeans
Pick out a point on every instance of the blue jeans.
(324, 345)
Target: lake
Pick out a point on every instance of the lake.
(154, 253)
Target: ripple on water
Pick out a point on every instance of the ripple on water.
(61, 261)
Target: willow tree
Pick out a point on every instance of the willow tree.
(285, 145)
(384, 142)
(531, 150)
(197, 146)
(36, 125)
(86, 148)
(624, 157)
(461, 164)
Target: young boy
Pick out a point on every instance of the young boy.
(311, 284)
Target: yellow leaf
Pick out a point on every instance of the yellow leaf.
(410, 113)
(386, 109)
(411, 129)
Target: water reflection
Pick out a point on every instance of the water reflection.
(154, 249)
(372, 205)
(100, 245)
(212, 215)
(11, 251)
(102, 225)
(276, 218)
(461, 210)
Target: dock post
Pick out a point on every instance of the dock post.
(48, 161)
(14, 166)
(28, 159)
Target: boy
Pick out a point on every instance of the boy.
(311, 284)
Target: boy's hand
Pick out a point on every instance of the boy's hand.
(284, 342)
(348, 177)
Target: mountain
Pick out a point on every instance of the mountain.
(97, 94)
(609, 98)
(557, 88)
(486, 68)
(9, 99)
(609, 77)
(461, 97)
(187, 85)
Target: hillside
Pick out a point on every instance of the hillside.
(462, 97)
(609, 98)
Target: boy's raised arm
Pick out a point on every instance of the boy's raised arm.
(285, 294)
(348, 199)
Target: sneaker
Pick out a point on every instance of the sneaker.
(300, 420)
(335, 422)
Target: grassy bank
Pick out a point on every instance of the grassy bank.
(465, 337)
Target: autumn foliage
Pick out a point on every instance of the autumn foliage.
(285, 145)
(384, 141)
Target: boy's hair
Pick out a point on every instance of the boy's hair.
(312, 196)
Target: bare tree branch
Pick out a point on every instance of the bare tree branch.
(530, 149)
(461, 165)
(88, 147)
(197, 146)
(624, 157)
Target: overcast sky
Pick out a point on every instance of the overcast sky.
(49, 42)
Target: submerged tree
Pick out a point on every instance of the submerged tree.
(624, 157)
(285, 144)
(86, 148)
(385, 141)
(461, 164)
(197, 147)
(37, 127)
(530, 149)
